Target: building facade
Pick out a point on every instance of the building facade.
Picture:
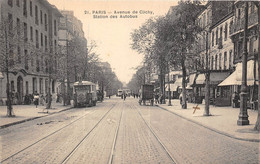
(32, 45)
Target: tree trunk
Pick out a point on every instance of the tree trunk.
(10, 112)
(49, 94)
(257, 124)
(207, 85)
(184, 102)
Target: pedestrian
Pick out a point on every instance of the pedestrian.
(124, 95)
(156, 98)
(36, 99)
(42, 100)
(180, 97)
(235, 99)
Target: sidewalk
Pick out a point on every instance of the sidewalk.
(28, 112)
(223, 119)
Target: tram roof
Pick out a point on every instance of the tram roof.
(84, 83)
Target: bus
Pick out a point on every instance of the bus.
(85, 94)
(119, 92)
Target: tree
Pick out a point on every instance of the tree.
(7, 42)
(147, 41)
(178, 33)
(11, 40)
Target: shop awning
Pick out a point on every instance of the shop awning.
(215, 78)
(200, 79)
(175, 85)
(236, 77)
(191, 81)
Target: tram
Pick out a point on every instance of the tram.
(85, 93)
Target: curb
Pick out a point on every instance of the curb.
(212, 129)
(32, 118)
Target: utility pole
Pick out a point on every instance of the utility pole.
(243, 116)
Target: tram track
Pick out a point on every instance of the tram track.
(157, 137)
(49, 135)
(110, 159)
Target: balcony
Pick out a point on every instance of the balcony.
(239, 23)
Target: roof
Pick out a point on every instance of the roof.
(84, 83)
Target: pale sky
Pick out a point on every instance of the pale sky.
(113, 35)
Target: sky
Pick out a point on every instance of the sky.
(113, 35)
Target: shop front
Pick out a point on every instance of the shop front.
(216, 77)
(232, 83)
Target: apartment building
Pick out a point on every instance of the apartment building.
(32, 45)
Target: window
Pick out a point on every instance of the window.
(230, 27)
(217, 36)
(31, 33)
(18, 3)
(46, 43)
(18, 26)
(19, 54)
(27, 87)
(37, 65)
(31, 8)
(41, 17)
(25, 32)
(230, 59)
(25, 8)
(11, 58)
(41, 39)
(216, 62)
(251, 45)
(55, 46)
(45, 21)
(32, 59)
(37, 38)
(42, 63)
(212, 62)
(41, 85)
(10, 3)
(36, 15)
(55, 27)
(221, 34)
(238, 13)
(46, 66)
(212, 38)
(225, 60)
(34, 84)
(26, 60)
(226, 28)
(220, 64)
(10, 22)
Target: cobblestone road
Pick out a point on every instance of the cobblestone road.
(187, 142)
(191, 143)
(53, 148)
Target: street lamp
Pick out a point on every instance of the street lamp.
(243, 116)
(169, 89)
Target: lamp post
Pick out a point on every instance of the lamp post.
(169, 89)
(243, 116)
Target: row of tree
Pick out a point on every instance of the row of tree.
(171, 42)
(167, 41)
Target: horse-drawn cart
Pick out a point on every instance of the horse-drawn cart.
(146, 94)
